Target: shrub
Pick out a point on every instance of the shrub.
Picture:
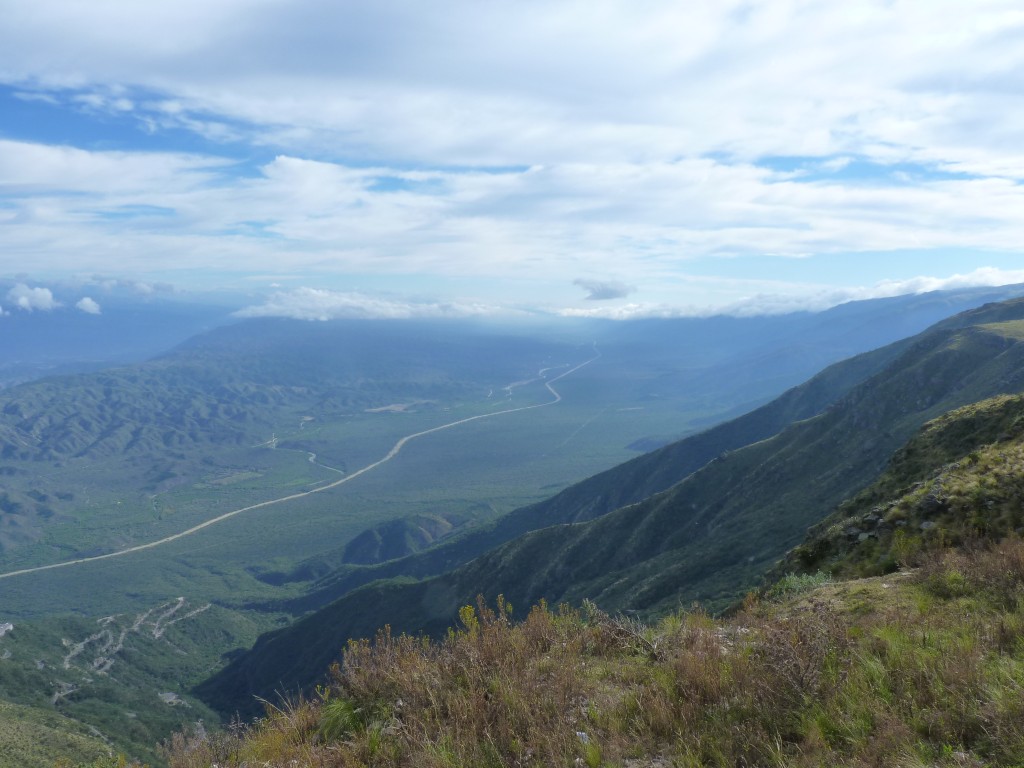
(797, 583)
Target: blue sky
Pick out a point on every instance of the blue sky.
(623, 159)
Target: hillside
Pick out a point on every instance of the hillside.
(32, 738)
(708, 538)
(640, 478)
(921, 668)
(77, 452)
(960, 479)
(624, 484)
(119, 682)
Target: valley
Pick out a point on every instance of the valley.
(321, 486)
(169, 527)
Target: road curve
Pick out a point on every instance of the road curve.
(395, 450)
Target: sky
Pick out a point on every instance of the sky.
(471, 157)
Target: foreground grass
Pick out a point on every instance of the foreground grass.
(924, 669)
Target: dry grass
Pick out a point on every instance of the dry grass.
(920, 671)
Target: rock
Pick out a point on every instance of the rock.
(927, 525)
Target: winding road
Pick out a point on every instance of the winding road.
(395, 450)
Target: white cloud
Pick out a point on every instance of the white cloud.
(28, 168)
(320, 304)
(984, 276)
(136, 287)
(804, 299)
(132, 214)
(625, 138)
(87, 305)
(460, 82)
(31, 299)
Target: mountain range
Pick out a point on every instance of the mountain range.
(700, 520)
(879, 454)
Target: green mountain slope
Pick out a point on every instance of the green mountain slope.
(709, 537)
(125, 676)
(624, 484)
(961, 478)
(31, 738)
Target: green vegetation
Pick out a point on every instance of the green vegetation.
(32, 738)
(919, 670)
(123, 676)
(103, 461)
(100, 462)
(797, 583)
(959, 479)
(622, 485)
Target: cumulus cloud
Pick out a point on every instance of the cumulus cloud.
(320, 304)
(31, 299)
(87, 305)
(603, 290)
(302, 216)
(448, 82)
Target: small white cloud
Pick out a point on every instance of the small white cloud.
(319, 304)
(836, 164)
(32, 96)
(603, 290)
(31, 299)
(88, 306)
